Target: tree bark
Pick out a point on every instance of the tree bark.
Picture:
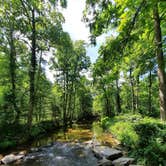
(137, 94)
(150, 92)
(160, 61)
(13, 73)
(12, 67)
(32, 71)
(107, 102)
(118, 105)
(132, 91)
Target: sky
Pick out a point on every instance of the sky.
(77, 29)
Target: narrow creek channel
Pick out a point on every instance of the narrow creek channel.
(66, 149)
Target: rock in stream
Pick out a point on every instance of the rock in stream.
(69, 154)
(107, 152)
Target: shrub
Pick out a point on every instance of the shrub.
(7, 144)
(105, 122)
(124, 132)
(144, 137)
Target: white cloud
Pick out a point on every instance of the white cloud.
(73, 24)
(77, 29)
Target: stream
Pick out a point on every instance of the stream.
(66, 149)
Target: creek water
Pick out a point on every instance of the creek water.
(66, 148)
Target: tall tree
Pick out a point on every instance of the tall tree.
(42, 18)
(8, 29)
(160, 60)
(129, 19)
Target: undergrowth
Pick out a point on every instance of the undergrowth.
(143, 137)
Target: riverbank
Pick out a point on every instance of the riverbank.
(142, 137)
(17, 134)
(80, 145)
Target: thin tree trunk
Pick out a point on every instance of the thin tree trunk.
(32, 72)
(107, 102)
(132, 91)
(160, 61)
(13, 73)
(65, 101)
(73, 108)
(38, 100)
(71, 96)
(118, 105)
(150, 92)
(137, 94)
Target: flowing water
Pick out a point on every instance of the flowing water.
(66, 149)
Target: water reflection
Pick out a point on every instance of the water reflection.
(78, 133)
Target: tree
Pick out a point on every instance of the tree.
(69, 61)
(160, 61)
(40, 20)
(129, 19)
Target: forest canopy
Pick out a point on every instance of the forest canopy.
(125, 86)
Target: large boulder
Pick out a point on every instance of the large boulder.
(106, 152)
(123, 161)
(11, 158)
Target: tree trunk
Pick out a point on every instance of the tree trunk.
(132, 91)
(150, 92)
(32, 71)
(13, 73)
(107, 102)
(160, 60)
(65, 101)
(137, 94)
(118, 105)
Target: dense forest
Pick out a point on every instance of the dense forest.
(126, 89)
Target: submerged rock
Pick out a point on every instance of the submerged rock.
(35, 149)
(104, 162)
(123, 161)
(91, 144)
(11, 158)
(106, 152)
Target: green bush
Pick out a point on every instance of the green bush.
(36, 130)
(155, 154)
(105, 122)
(144, 137)
(124, 132)
(147, 132)
(41, 128)
(7, 144)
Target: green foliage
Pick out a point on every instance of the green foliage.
(42, 128)
(125, 133)
(5, 144)
(36, 131)
(106, 122)
(143, 137)
(154, 154)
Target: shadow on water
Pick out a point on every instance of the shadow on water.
(66, 148)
